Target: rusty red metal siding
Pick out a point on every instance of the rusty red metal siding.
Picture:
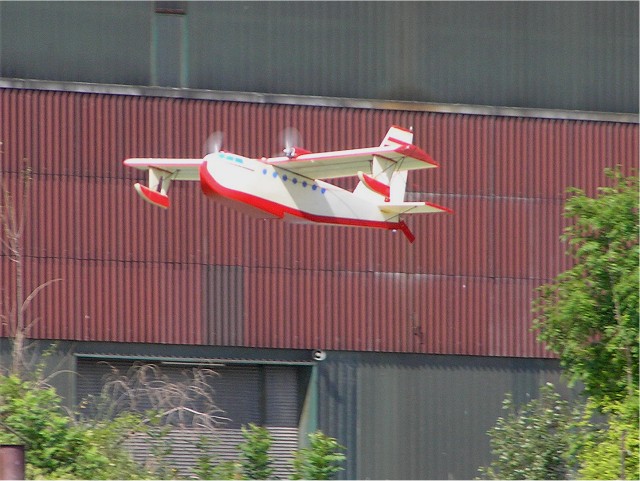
(110, 300)
(201, 273)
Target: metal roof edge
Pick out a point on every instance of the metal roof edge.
(317, 101)
(192, 361)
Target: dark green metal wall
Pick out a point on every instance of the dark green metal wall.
(99, 42)
(405, 416)
(560, 55)
(401, 416)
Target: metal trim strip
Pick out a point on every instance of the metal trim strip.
(192, 360)
(308, 100)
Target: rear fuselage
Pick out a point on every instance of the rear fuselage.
(278, 192)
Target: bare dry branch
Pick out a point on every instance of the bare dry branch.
(146, 388)
(36, 291)
(15, 303)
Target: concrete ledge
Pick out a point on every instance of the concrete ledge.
(283, 99)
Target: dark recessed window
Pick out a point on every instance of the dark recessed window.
(171, 8)
(169, 45)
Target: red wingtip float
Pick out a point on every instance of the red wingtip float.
(292, 186)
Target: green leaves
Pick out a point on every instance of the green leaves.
(321, 460)
(610, 450)
(210, 466)
(57, 447)
(589, 314)
(254, 452)
(531, 442)
(31, 416)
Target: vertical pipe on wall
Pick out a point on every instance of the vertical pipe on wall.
(11, 461)
(309, 413)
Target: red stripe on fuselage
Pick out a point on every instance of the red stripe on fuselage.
(212, 188)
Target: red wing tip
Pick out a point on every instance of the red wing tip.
(153, 197)
(440, 207)
(399, 127)
(417, 153)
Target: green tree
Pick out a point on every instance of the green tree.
(610, 449)
(589, 317)
(57, 447)
(254, 452)
(321, 460)
(531, 441)
(210, 466)
(589, 314)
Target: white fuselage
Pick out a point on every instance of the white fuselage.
(278, 192)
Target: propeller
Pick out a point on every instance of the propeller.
(213, 143)
(290, 137)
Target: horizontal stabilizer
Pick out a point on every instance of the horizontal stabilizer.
(413, 208)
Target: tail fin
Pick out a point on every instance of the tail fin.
(397, 136)
(386, 183)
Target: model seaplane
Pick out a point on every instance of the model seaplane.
(293, 187)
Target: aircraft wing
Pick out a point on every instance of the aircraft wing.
(176, 169)
(346, 163)
(413, 208)
(161, 172)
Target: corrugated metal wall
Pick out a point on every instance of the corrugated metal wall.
(134, 273)
(569, 55)
(421, 417)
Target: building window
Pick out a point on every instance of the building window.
(169, 45)
(269, 395)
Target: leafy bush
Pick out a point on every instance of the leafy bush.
(209, 466)
(610, 450)
(61, 446)
(254, 452)
(31, 413)
(531, 441)
(589, 315)
(321, 460)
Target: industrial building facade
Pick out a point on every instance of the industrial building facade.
(422, 341)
